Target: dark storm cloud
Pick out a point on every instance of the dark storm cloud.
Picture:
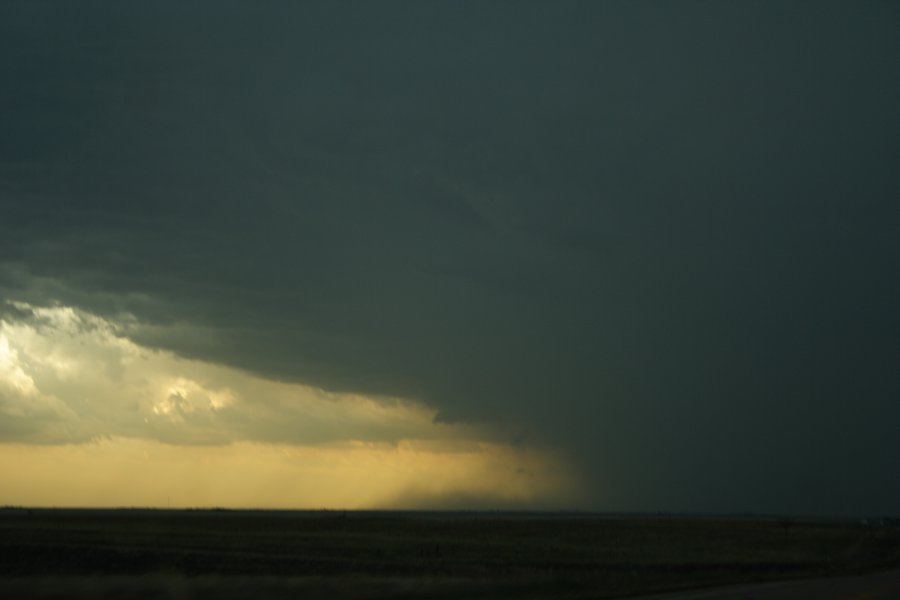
(664, 236)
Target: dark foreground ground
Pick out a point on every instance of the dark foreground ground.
(254, 554)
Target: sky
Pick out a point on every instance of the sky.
(618, 256)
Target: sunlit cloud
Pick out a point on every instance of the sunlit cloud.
(78, 368)
(89, 417)
(11, 373)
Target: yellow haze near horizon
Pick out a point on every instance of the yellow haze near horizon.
(121, 472)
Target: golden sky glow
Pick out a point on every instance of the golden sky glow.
(132, 472)
(89, 418)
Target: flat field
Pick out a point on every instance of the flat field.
(226, 554)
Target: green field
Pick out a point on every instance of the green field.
(251, 554)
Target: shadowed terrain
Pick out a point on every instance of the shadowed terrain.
(237, 554)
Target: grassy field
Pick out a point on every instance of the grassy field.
(252, 554)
